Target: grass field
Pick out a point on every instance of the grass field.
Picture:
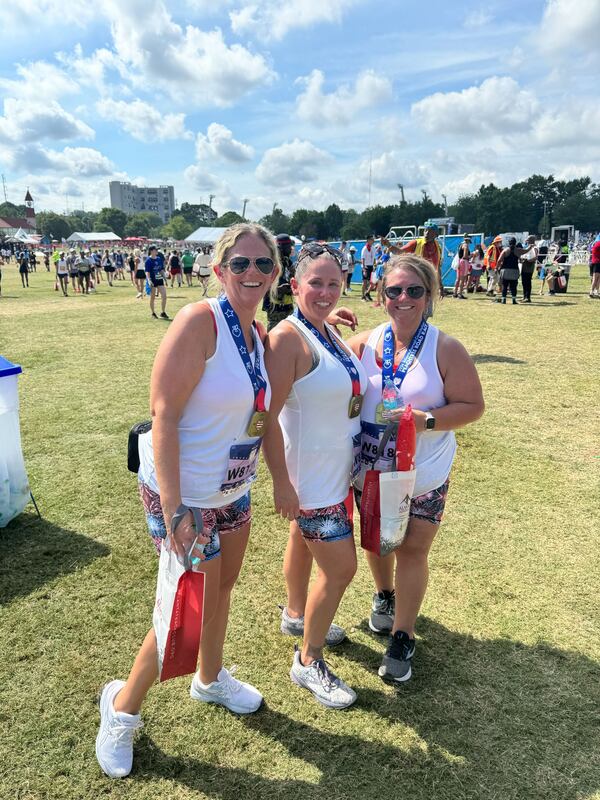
(505, 697)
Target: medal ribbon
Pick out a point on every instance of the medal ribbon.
(389, 345)
(335, 350)
(257, 380)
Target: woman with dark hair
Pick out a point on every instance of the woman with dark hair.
(477, 257)
(108, 267)
(508, 265)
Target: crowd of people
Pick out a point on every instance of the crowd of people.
(221, 387)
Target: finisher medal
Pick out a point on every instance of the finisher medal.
(257, 424)
(355, 405)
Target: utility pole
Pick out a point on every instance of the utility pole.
(211, 197)
(445, 199)
(4, 187)
(244, 208)
(401, 187)
(274, 207)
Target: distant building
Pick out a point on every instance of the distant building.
(135, 199)
(10, 226)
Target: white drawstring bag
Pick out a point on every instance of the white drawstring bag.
(395, 493)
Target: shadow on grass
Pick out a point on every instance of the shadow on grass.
(491, 358)
(481, 719)
(34, 551)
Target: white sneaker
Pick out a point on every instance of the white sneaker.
(327, 688)
(114, 743)
(239, 697)
(294, 626)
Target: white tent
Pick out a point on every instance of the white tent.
(205, 235)
(94, 236)
(14, 486)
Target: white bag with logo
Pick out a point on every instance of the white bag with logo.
(395, 493)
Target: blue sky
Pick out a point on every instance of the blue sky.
(295, 103)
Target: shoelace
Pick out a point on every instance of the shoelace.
(122, 733)
(328, 679)
(230, 684)
(387, 604)
(400, 649)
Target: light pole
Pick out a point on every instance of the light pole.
(244, 208)
(211, 197)
(445, 199)
(401, 187)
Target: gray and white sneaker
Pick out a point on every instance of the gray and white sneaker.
(382, 612)
(326, 687)
(114, 743)
(396, 665)
(294, 626)
(239, 697)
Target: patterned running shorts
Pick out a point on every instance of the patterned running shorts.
(328, 524)
(216, 520)
(428, 506)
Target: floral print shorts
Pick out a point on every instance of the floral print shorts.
(429, 506)
(216, 520)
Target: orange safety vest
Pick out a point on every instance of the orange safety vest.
(492, 254)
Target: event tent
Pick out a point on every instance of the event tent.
(205, 235)
(14, 486)
(94, 236)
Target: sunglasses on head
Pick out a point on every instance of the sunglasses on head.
(414, 292)
(239, 264)
(316, 249)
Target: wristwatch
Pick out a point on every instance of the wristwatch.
(429, 421)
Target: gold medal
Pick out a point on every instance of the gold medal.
(355, 405)
(379, 411)
(257, 424)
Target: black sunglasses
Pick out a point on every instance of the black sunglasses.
(316, 249)
(414, 292)
(239, 264)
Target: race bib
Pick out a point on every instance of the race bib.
(371, 434)
(241, 468)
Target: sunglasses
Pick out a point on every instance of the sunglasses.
(316, 249)
(239, 264)
(414, 292)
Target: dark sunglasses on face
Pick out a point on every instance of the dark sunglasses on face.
(316, 249)
(239, 264)
(414, 292)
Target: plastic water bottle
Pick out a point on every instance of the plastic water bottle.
(390, 396)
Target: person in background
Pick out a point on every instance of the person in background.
(595, 268)
(139, 273)
(62, 273)
(351, 263)
(130, 261)
(84, 270)
(528, 264)
(156, 278)
(462, 270)
(187, 261)
(73, 269)
(490, 261)
(119, 263)
(508, 267)
(108, 267)
(32, 261)
(24, 268)
(279, 303)
(97, 258)
(345, 265)
(202, 267)
(174, 268)
(443, 388)
(367, 262)
(477, 257)
(47, 260)
(426, 246)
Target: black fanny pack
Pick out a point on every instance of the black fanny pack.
(133, 453)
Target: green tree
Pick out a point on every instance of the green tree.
(334, 220)
(146, 223)
(83, 221)
(226, 219)
(177, 228)
(112, 219)
(50, 224)
(276, 222)
(11, 210)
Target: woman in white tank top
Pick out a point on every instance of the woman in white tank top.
(317, 386)
(209, 397)
(443, 388)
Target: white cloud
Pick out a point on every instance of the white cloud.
(290, 163)
(478, 18)
(191, 65)
(143, 121)
(497, 106)
(272, 19)
(20, 16)
(574, 124)
(469, 184)
(39, 81)
(219, 143)
(338, 108)
(25, 122)
(570, 26)
(391, 168)
(202, 180)
(74, 161)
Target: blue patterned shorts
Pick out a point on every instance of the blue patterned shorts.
(216, 520)
(328, 524)
(429, 506)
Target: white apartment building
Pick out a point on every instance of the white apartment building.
(134, 199)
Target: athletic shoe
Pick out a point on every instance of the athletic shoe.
(241, 698)
(154, 315)
(291, 626)
(396, 664)
(326, 687)
(164, 316)
(382, 612)
(114, 743)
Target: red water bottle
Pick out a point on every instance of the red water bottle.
(406, 441)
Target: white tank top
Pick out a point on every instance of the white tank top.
(317, 431)
(423, 388)
(215, 417)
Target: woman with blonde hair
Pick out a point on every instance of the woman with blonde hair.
(139, 273)
(435, 375)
